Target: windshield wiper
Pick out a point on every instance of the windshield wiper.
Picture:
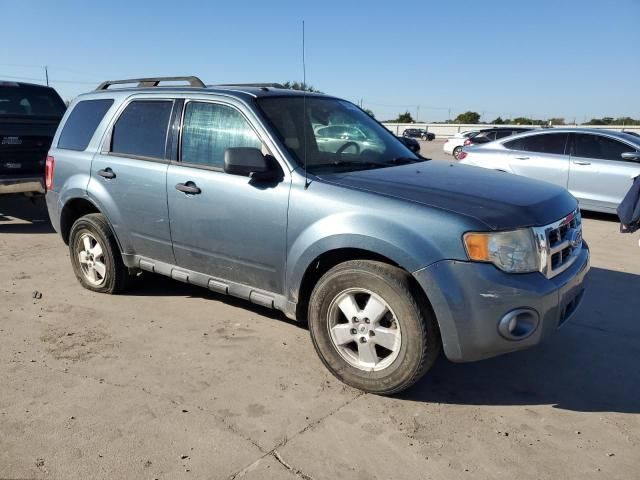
(403, 161)
(351, 163)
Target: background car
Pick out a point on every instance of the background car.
(411, 143)
(453, 145)
(419, 133)
(29, 116)
(490, 134)
(596, 166)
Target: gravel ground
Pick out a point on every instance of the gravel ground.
(173, 381)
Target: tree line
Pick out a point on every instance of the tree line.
(471, 117)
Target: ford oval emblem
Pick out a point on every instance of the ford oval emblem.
(575, 238)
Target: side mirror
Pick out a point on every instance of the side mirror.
(245, 161)
(631, 156)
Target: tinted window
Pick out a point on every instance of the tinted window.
(29, 101)
(503, 133)
(597, 146)
(545, 143)
(141, 130)
(82, 123)
(209, 129)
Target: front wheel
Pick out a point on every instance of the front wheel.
(371, 328)
(95, 255)
(456, 152)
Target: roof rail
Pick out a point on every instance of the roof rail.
(152, 82)
(262, 85)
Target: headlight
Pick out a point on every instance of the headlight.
(513, 252)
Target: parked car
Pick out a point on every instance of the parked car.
(388, 257)
(29, 116)
(596, 166)
(418, 133)
(453, 145)
(411, 143)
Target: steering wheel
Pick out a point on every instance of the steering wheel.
(340, 151)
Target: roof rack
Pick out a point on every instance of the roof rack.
(152, 82)
(260, 85)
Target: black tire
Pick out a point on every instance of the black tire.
(116, 278)
(420, 337)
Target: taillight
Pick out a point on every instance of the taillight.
(462, 155)
(48, 173)
(467, 142)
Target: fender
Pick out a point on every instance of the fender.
(377, 234)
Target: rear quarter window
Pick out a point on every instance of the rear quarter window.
(82, 123)
(545, 143)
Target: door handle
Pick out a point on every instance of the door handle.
(107, 173)
(522, 158)
(581, 162)
(188, 187)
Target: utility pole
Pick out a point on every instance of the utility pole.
(46, 74)
(449, 116)
(417, 113)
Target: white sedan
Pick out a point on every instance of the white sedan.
(453, 145)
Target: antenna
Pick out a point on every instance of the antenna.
(304, 111)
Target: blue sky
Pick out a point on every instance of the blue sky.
(543, 58)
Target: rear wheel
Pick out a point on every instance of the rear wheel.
(456, 152)
(370, 328)
(95, 255)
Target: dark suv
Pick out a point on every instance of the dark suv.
(304, 203)
(418, 133)
(29, 116)
(490, 134)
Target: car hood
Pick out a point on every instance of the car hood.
(498, 199)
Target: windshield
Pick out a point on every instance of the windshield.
(340, 136)
(29, 101)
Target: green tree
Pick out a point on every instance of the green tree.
(557, 121)
(468, 117)
(369, 112)
(522, 121)
(300, 86)
(404, 118)
(498, 121)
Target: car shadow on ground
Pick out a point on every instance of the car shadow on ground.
(589, 365)
(24, 215)
(155, 285)
(605, 217)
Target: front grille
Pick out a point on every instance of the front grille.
(559, 244)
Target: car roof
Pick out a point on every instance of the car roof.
(243, 92)
(4, 83)
(598, 131)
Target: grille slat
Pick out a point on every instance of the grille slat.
(560, 242)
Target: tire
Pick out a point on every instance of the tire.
(101, 255)
(408, 320)
(456, 152)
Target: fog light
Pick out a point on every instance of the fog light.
(518, 324)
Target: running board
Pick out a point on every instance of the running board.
(224, 287)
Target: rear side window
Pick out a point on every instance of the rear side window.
(545, 143)
(141, 130)
(209, 129)
(597, 146)
(82, 123)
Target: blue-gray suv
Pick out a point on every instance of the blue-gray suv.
(304, 203)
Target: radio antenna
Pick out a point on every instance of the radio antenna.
(304, 111)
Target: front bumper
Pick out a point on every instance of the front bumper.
(469, 300)
(22, 184)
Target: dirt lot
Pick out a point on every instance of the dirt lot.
(172, 381)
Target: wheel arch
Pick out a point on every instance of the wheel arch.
(77, 207)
